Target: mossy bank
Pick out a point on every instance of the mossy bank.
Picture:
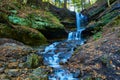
(28, 24)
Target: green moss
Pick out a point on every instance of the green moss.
(34, 20)
(17, 20)
(24, 34)
(88, 78)
(104, 59)
(104, 20)
(33, 61)
(56, 21)
(108, 17)
(116, 21)
(97, 36)
(98, 78)
(38, 22)
(44, 22)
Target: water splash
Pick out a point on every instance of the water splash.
(75, 35)
(62, 74)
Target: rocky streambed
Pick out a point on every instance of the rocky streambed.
(20, 62)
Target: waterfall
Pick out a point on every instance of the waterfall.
(60, 52)
(77, 34)
(78, 19)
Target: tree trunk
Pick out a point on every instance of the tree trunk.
(108, 1)
(89, 2)
(65, 3)
(82, 4)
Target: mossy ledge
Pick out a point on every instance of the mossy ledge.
(23, 34)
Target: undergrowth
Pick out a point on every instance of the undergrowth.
(97, 36)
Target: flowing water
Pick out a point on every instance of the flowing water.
(60, 52)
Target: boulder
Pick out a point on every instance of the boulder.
(12, 51)
(23, 34)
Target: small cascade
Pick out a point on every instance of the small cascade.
(75, 35)
(50, 57)
(60, 52)
(56, 53)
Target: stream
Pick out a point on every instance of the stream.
(60, 52)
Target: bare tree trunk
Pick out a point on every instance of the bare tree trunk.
(108, 1)
(65, 3)
(89, 2)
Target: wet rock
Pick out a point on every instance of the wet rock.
(12, 72)
(2, 69)
(76, 73)
(39, 74)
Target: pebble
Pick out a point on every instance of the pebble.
(13, 65)
(2, 70)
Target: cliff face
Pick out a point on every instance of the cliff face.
(100, 15)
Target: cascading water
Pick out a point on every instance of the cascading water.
(60, 52)
(77, 34)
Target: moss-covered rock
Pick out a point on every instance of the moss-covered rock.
(48, 24)
(33, 60)
(21, 33)
(28, 24)
(108, 17)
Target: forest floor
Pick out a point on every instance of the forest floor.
(99, 57)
